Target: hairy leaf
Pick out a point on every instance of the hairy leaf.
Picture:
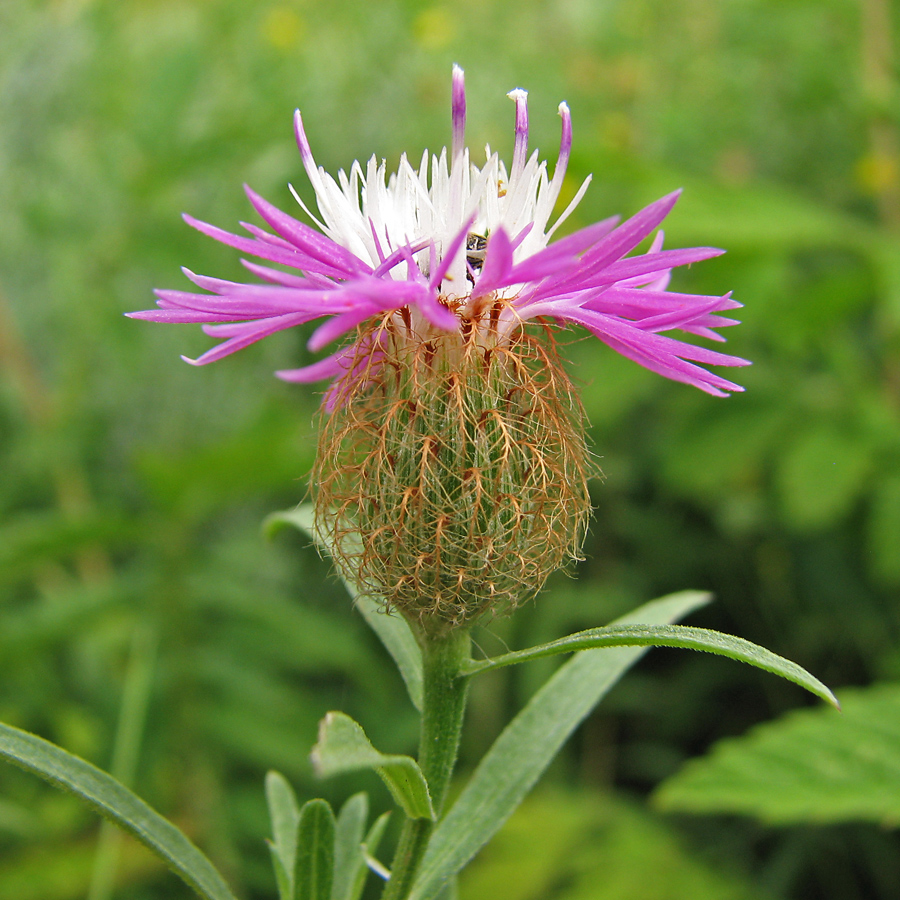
(349, 861)
(314, 866)
(344, 747)
(665, 636)
(114, 801)
(285, 817)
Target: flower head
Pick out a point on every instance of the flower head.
(452, 246)
(451, 474)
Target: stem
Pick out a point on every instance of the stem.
(443, 706)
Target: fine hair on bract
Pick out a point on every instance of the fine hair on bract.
(451, 475)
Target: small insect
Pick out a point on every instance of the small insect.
(475, 248)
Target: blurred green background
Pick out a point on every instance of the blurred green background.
(147, 626)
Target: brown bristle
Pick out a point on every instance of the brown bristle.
(466, 502)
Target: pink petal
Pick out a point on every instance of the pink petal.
(311, 242)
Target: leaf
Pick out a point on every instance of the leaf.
(344, 747)
(391, 629)
(528, 744)
(283, 879)
(314, 868)
(108, 797)
(285, 818)
(450, 891)
(349, 861)
(397, 638)
(812, 765)
(681, 636)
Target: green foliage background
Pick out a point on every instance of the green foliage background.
(144, 622)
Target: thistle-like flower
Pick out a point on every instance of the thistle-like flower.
(452, 467)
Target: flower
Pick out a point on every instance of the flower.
(452, 466)
(468, 248)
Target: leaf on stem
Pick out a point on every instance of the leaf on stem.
(314, 866)
(682, 636)
(528, 744)
(349, 861)
(285, 818)
(284, 880)
(111, 799)
(391, 629)
(344, 747)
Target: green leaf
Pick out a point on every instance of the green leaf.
(813, 765)
(397, 638)
(528, 744)
(450, 891)
(391, 629)
(344, 747)
(283, 878)
(681, 636)
(114, 801)
(285, 818)
(314, 868)
(349, 861)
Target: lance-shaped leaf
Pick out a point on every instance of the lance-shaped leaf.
(344, 747)
(114, 801)
(392, 630)
(349, 859)
(528, 744)
(314, 864)
(682, 636)
(285, 817)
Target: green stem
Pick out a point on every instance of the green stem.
(443, 707)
